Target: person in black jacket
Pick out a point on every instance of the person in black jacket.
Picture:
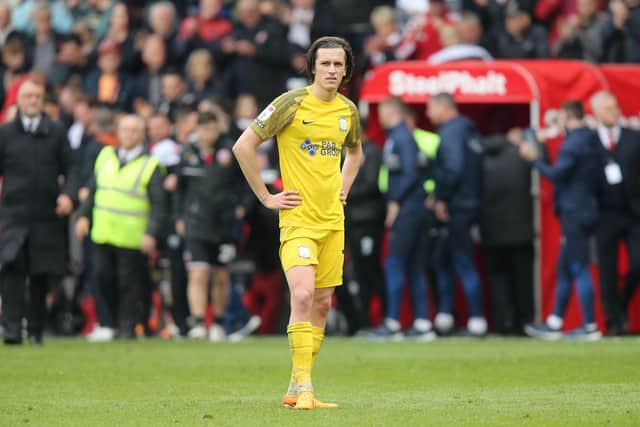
(458, 176)
(364, 215)
(34, 152)
(621, 32)
(520, 37)
(208, 197)
(576, 178)
(619, 208)
(260, 54)
(506, 227)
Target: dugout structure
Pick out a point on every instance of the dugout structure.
(499, 95)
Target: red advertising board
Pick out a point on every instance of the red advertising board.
(543, 86)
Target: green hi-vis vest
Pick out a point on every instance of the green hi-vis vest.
(428, 143)
(121, 204)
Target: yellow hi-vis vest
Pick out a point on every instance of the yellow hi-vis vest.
(428, 143)
(121, 204)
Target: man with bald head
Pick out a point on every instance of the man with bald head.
(34, 154)
(619, 209)
(124, 213)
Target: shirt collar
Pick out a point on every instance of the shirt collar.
(605, 133)
(30, 124)
(128, 155)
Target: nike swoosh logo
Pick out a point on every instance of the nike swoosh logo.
(304, 122)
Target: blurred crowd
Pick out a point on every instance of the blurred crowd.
(140, 103)
(122, 53)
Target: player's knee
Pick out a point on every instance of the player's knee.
(301, 298)
(321, 305)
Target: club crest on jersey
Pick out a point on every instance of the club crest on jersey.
(342, 121)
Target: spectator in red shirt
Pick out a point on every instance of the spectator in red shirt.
(426, 32)
(206, 30)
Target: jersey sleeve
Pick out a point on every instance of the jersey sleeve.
(277, 115)
(354, 137)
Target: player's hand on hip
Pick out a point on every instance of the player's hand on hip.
(343, 198)
(288, 199)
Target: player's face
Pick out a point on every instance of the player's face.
(330, 68)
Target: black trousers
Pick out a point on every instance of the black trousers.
(121, 275)
(180, 304)
(363, 241)
(102, 311)
(510, 274)
(615, 227)
(20, 300)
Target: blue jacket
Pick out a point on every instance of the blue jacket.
(576, 176)
(458, 166)
(400, 155)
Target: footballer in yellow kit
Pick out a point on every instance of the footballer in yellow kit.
(310, 135)
(313, 126)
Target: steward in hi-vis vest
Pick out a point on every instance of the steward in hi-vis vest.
(127, 206)
(121, 204)
(427, 143)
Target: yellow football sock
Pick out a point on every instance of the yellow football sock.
(301, 343)
(318, 338)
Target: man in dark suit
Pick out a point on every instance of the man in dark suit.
(575, 176)
(456, 202)
(34, 153)
(620, 208)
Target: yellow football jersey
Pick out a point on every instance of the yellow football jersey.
(310, 134)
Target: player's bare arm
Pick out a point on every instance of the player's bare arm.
(352, 162)
(245, 150)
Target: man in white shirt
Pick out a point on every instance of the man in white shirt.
(620, 209)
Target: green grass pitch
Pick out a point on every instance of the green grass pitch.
(449, 382)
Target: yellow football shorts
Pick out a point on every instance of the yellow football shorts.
(323, 249)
